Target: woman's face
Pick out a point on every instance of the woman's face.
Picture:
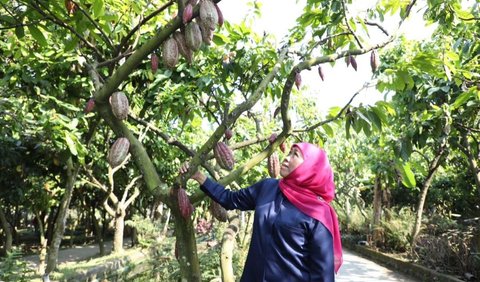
(291, 161)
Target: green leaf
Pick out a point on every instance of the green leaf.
(408, 178)
(328, 129)
(19, 32)
(465, 96)
(98, 8)
(38, 35)
(70, 143)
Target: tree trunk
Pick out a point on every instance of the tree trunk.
(98, 233)
(7, 229)
(472, 160)
(59, 227)
(377, 211)
(42, 255)
(119, 227)
(187, 248)
(228, 244)
(434, 165)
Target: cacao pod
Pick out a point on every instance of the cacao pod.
(193, 36)
(182, 46)
(228, 134)
(272, 138)
(374, 61)
(273, 165)
(208, 14)
(224, 156)
(320, 72)
(353, 62)
(119, 104)
(220, 15)
(154, 62)
(186, 208)
(118, 152)
(207, 33)
(70, 6)
(89, 106)
(298, 80)
(170, 53)
(187, 13)
(283, 147)
(348, 60)
(218, 212)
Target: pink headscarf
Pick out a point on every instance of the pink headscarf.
(310, 188)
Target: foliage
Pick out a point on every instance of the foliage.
(452, 251)
(12, 268)
(397, 227)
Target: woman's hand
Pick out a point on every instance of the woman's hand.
(197, 176)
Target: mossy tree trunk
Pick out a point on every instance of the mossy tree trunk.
(7, 230)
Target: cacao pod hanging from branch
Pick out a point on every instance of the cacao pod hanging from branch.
(118, 152)
(170, 53)
(119, 104)
(184, 204)
(218, 212)
(224, 156)
(273, 165)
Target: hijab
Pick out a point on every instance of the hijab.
(310, 188)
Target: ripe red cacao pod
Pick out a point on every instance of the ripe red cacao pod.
(228, 134)
(298, 80)
(224, 156)
(193, 36)
(273, 165)
(272, 138)
(220, 15)
(186, 208)
(283, 147)
(170, 53)
(218, 212)
(374, 60)
(90, 106)
(118, 152)
(187, 13)
(119, 104)
(208, 14)
(182, 46)
(154, 62)
(320, 73)
(353, 62)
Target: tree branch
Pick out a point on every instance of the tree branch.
(59, 22)
(105, 37)
(144, 21)
(348, 25)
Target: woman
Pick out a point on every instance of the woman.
(295, 233)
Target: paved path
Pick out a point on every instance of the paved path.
(354, 268)
(358, 269)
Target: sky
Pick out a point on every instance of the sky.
(340, 82)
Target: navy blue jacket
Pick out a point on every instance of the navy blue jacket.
(286, 245)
